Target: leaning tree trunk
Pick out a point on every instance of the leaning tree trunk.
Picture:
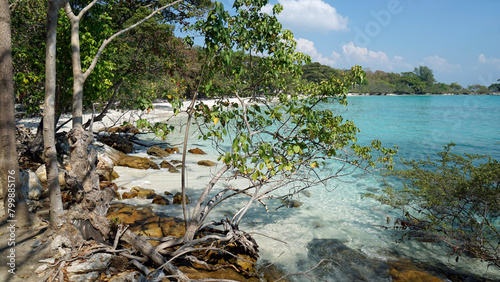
(14, 200)
(50, 153)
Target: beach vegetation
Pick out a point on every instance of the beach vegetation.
(453, 199)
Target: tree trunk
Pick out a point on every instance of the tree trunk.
(14, 200)
(56, 206)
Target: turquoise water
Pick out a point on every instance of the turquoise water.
(335, 213)
(422, 125)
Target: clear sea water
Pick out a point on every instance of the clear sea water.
(419, 125)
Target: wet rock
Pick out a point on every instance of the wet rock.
(137, 162)
(206, 163)
(157, 152)
(128, 195)
(169, 166)
(289, 203)
(401, 272)
(117, 142)
(146, 194)
(178, 199)
(160, 200)
(174, 150)
(354, 265)
(197, 151)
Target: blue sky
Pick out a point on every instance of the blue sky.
(459, 40)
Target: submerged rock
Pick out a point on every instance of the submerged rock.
(401, 272)
(157, 152)
(344, 263)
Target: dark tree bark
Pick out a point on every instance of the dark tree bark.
(14, 200)
(50, 154)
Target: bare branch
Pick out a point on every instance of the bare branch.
(107, 41)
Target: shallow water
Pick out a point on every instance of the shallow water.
(419, 125)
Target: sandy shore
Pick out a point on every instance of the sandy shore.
(160, 112)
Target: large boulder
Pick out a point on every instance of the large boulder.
(157, 152)
(137, 162)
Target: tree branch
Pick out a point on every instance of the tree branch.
(107, 41)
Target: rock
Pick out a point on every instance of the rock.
(355, 265)
(127, 128)
(128, 195)
(403, 272)
(112, 153)
(137, 162)
(41, 173)
(178, 199)
(108, 184)
(146, 194)
(171, 168)
(206, 163)
(157, 152)
(114, 175)
(97, 262)
(143, 222)
(197, 151)
(289, 203)
(84, 277)
(30, 185)
(105, 167)
(127, 277)
(117, 142)
(36, 243)
(174, 150)
(41, 268)
(59, 242)
(160, 200)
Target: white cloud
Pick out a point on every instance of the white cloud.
(362, 54)
(440, 64)
(376, 60)
(309, 15)
(307, 47)
(483, 60)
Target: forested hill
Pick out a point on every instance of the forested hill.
(419, 81)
